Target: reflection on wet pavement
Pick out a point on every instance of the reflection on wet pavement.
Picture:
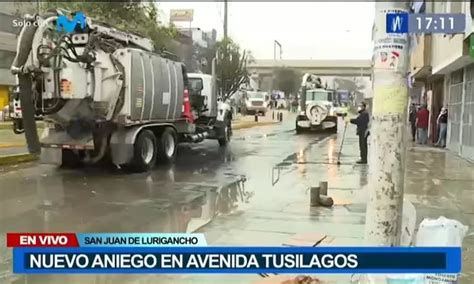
(207, 190)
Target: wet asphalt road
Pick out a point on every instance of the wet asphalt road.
(205, 181)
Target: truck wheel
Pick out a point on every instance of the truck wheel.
(70, 159)
(168, 145)
(144, 152)
(224, 141)
(299, 130)
(18, 126)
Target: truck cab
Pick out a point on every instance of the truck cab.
(202, 97)
(254, 102)
(318, 112)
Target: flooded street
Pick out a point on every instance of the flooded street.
(168, 199)
(254, 193)
(206, 183)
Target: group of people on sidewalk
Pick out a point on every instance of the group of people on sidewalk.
(419, 121)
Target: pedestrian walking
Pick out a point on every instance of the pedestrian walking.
(442, 122)
(294, 104)
(362, 122)
(412, 118)
(422, 122)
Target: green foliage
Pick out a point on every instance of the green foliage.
(138, 17)
(202, 59)
(349, 85)
(231, 67)
(287, 80)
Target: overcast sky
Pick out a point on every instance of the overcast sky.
(317, 30)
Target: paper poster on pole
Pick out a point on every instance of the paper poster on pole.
(390, 100)
(389, 53)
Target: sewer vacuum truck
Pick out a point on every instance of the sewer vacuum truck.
(317, 110)
(104, 93)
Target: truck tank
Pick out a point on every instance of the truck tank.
(91, 81)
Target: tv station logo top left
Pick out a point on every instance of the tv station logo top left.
(28, 20)
(63, 23)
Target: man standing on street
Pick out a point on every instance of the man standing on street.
(422, 122)
(362, 122)
(443, 127)
(413, 121)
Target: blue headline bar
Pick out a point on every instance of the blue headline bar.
(237, 260)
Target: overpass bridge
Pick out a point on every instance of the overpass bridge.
(261, 71)
(343, 68)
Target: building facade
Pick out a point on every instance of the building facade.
(443, 74)
(199, 55)
(10, 16)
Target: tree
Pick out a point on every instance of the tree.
(355, 88)
(137, 17)
(231, 67)
(350, 85)
(201, 61)
(287, 80)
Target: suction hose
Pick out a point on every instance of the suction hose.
(24, 46)
(26, 93)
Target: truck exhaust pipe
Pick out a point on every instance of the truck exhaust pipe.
(26, 93)
(197, 137)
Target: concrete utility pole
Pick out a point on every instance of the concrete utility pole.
(225, 18)
(387, 144)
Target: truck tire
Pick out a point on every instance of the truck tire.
(144, 152)
(168, 146)
(224, 141)
(70, 159)
(299, 130)
(18, 126)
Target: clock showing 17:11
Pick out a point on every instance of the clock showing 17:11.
(426, 23)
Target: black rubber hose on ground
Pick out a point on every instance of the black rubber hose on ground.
(28, 109)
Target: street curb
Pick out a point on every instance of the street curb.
(8, 125)
(18, 158)
(14, 145)
(253, 124)
(26, 157)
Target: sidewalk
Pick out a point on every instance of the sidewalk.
(437, 183)
(13, 147)
(246, 121)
